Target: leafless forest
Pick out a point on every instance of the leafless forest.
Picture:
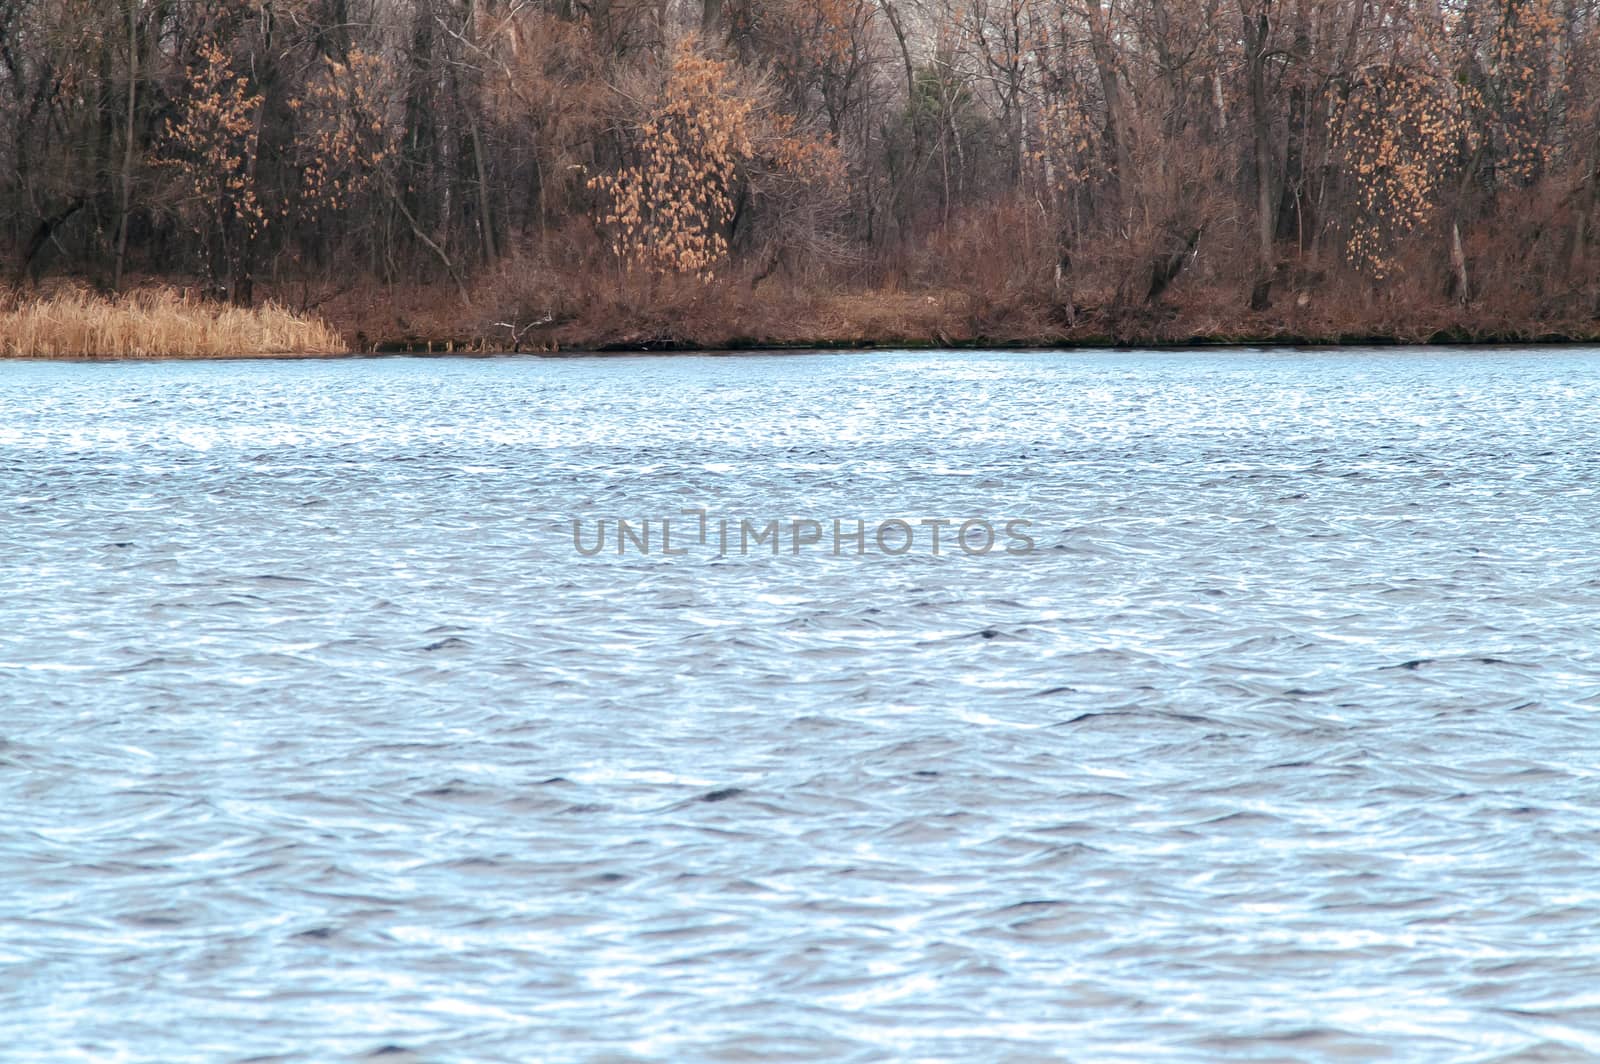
(766, 170)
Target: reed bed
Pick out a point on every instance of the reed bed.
(154, 323)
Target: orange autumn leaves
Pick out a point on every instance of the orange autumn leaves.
(1398, 130)
(344, 135)
(213, 142)
(668, 211)
(1407, 128)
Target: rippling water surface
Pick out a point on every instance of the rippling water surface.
(320, 740)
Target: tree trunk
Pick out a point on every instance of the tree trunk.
(1117, 125)
(470, 103)
(127, 150)
(1588, 196)
(1256, 30)
(899, 189)
(1292, 203)
(711, 19)
(1458, 262)
(244, 268)
(41, 236)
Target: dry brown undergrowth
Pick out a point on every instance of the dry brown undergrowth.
(76, 323)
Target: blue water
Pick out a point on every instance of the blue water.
(320, 740)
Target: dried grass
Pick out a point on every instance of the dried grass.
(153, 323)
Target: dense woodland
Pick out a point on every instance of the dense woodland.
(1000, 168)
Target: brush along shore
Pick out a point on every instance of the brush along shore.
(154, 323)
(540, 318)
(161, 322)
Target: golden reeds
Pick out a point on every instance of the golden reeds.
(153, 323)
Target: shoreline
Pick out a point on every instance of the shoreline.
(158, 322)
(449, 349)
(680, 347)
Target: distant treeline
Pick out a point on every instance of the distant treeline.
(1076, 155)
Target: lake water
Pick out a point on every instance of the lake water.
(321, 740)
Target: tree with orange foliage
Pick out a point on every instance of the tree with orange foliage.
(345, 134)
(211, 146)
(667, 211)
(705, 145)
(1398, 130)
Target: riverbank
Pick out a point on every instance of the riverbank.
(163, 322)
(541, 314)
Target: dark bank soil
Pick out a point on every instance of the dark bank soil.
(501, 316)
